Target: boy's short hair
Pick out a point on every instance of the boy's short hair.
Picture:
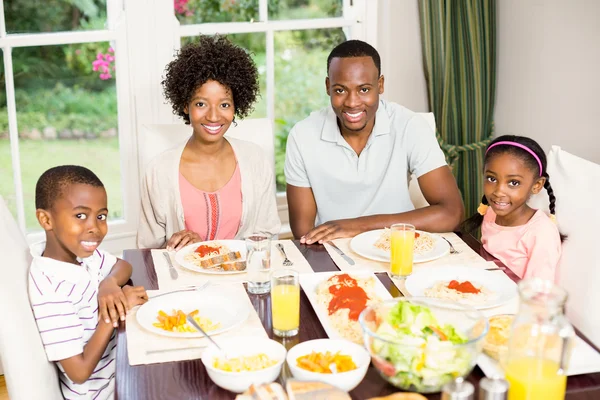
(54, 181)
(355, 48)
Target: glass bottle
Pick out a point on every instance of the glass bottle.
(540, 343)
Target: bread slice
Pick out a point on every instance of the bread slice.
(302, 390)
(269, 391)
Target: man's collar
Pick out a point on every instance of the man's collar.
(331, 132)
(54, 268)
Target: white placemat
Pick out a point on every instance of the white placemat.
(465, 256)
(187, 277)
(144, 347)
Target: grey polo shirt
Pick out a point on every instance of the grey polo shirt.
(346, 185)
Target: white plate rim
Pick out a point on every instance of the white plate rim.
(179, 256)
(431, 274)
(242, 311)
(309, 283)
(419, 258)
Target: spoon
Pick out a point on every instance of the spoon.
(192, 322)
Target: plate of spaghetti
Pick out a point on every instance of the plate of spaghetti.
(214, 257)
(375, 245)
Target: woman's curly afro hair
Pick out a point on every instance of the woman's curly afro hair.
(211, 58)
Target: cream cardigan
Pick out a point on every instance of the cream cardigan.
(161, 212)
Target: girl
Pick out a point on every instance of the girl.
(524, 239)
(193, 192)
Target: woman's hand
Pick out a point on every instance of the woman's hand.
(182, 239)
(136, 295)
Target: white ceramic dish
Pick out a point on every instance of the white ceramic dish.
(344, 380)
(363, 245)
(233, 245)
(425, 277)
(244, 346)
(310, 282)
(210, 303)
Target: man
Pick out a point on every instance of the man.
(347, 166)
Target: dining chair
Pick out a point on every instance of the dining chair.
(27, 372)
(153, 139)
(574, 181)
(416, 196)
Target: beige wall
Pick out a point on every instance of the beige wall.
(399, 45)
(548, 82)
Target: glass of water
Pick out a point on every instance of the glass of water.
(258, 263)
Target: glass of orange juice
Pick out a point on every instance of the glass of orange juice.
(402, 241)
(285, 302)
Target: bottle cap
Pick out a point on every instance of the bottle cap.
(493, 389)
(459, 389)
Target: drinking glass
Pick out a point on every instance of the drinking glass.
(402, 241)
(285, 302)
(258, 263)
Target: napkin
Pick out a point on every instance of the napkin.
(584, 360)
(144, 347)
(187, 277)
(465, 256)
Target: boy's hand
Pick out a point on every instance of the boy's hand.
(136, 295)
(112, 302)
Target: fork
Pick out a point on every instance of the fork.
(452, 249)
(286, 261)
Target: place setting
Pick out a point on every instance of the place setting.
(223, 261)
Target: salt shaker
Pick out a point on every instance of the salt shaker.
(459, 389)
(493, 389)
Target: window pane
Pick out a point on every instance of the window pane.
(7, 187)
(54, 15)
(300, 70)
(255, 43)
(305, 9)
(67, 114)
(201, 11)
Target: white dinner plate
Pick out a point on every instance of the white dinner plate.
(233, 245)
(363, 245)
(425, 277)
(210, 303)
(310, 282)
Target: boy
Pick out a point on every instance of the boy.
(74, 288)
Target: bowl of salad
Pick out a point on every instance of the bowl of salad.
(419, 344)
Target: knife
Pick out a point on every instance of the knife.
(172, 270)
(341, 253)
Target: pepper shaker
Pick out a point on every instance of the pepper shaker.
(493, 389)
(458, 389)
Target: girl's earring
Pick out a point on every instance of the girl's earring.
(482, 209)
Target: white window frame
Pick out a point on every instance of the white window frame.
(145, 35)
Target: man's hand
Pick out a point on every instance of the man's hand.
(182, 239)
(112, 303)
(136, 295)
(340, 228)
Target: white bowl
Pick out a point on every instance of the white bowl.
(238, 382)
(343, 380)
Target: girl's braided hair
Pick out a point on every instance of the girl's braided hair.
(471, 224)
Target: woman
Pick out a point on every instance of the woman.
(210, 187)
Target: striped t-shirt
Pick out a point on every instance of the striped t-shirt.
(64, 299)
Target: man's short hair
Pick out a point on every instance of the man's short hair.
(355, 48)
(54, 181)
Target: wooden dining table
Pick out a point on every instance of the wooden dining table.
(188, 380)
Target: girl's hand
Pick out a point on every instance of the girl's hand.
(112, 302)
(182, 239)
(136, 295)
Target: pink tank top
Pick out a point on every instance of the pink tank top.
(215, 215)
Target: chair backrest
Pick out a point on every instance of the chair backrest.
(27, 371)
(416, 196)
(575, 184)
(156, 138)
